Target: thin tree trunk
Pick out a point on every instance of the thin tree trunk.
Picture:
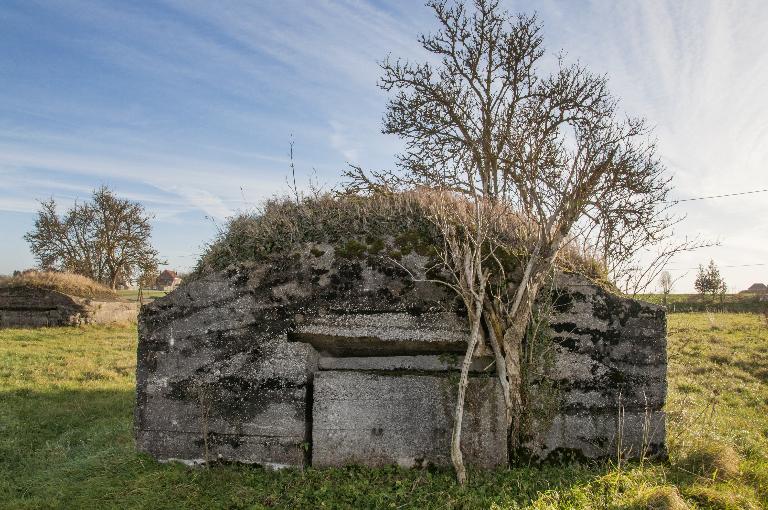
(518, 318)
(512, 345)
(495, 332)
(476, 317)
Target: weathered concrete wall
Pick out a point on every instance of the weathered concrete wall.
(24, 307)
(228, 333)
(253, 364)
(606, 379)
(215, 373)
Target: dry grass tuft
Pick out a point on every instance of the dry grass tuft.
(662, 498)
(711, 497)
(713, 460)
(66, 283)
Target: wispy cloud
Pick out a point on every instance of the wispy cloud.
(696, 70)
(340, 141)
(194, 184)
(188, 105)
(206, 201)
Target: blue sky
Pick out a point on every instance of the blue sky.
(189, 106)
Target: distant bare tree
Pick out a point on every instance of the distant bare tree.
(551, 151)
(147, 278)
(722, 291)
(666, 283)
(107, 239)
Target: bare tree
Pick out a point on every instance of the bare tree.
(107, 239)
(666, 283)
(464, 255)
(550, 150)
(468, 230)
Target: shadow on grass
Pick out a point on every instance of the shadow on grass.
(75, 449)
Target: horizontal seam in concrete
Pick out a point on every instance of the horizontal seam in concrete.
(198, 433)
(380, 399)
(388, 428)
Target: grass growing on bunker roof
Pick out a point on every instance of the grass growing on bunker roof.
(358, 226)
(66, 283)
(282, 224)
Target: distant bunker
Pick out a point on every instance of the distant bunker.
(24, 306)
(324, 358)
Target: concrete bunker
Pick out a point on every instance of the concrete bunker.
(322, 359)
(30, 307)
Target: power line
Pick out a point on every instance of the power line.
(737, 265)
(720, 196)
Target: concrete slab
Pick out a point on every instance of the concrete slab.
(378, 420)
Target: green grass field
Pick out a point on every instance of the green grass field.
(66, 403)
(734, 303)
(148, 294)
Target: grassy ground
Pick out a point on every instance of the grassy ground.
(66, 398)
(147, 294)
(733, 303)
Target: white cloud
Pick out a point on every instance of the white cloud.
(197, 184)
(22, 205)
(207, 202)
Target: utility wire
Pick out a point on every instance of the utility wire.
(692, 268)
(720, 196)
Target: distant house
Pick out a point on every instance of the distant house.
(757, 288)
(167, 280)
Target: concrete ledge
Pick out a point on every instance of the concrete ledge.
(190, 448)
(384, 334)
(426, 363)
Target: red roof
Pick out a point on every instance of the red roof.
(166, 277)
